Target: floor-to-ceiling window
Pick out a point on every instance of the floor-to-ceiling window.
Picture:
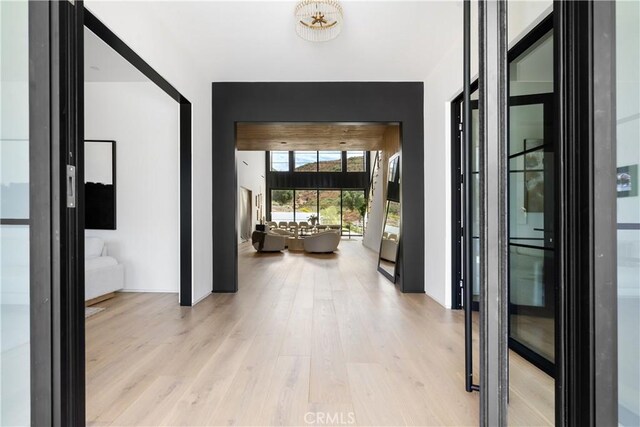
(628, 207)
(306, 204)
(329, 206)
(282, 205)
(323, 187)
(14, 212)
(354, 206)
(338, 208)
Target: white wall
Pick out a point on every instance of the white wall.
(441, 87)
(144, 122)
(251, 175)
(155, 43)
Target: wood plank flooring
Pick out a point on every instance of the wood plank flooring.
(307, 340)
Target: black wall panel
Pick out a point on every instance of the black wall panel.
(317, 180)
(401, 102)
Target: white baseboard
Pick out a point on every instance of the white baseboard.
(151, 291)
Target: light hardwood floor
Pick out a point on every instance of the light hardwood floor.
(307, 340)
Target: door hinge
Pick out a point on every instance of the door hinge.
(71, 186)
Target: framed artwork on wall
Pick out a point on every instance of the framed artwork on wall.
(627, 181)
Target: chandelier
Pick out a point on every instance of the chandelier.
(318, 20)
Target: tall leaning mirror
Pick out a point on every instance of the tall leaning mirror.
(387, 260)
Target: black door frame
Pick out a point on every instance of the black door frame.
(55, 219)
(527, 41)
(461, 268)
(587, 390)
(186, 250)
(401, 102)
(56, 150)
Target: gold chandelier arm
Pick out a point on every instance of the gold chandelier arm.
(312, 27)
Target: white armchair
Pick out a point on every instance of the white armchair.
(322, 242)
(267, 242)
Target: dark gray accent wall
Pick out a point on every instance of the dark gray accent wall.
(401, 102)
(320, 180)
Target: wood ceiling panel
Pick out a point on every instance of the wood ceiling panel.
(311, 136)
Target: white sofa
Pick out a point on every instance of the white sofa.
(324, 242)
(281, 232)
(103, 274)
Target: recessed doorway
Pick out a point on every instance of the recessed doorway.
(348, 102)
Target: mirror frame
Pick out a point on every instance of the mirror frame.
(395, 181)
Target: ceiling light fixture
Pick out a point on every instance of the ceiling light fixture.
(318, 20)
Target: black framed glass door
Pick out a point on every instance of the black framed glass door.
(531, 229)
(532, 207)
(531, 201)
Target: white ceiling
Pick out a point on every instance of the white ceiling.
(256, 41)
(103, 64)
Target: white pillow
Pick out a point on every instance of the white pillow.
(93, 247)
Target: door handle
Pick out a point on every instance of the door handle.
(71, 186)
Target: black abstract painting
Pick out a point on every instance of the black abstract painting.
(99, 210)
(100, 185)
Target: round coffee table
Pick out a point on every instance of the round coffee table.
(295, 244)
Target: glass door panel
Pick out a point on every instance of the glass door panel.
(15, 355)
(628, 209)
(475, 204)
(531, 207)
(531, 230)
